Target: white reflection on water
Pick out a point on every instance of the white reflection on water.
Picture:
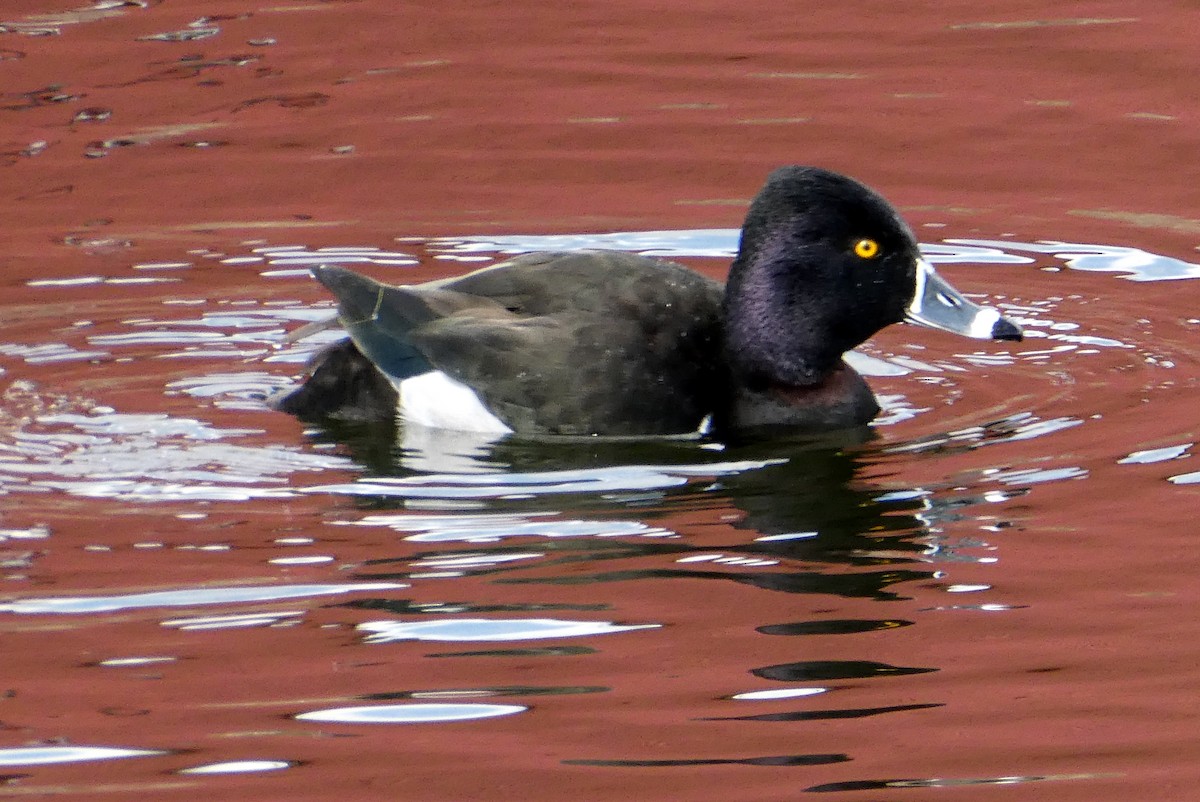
(123, 662)
(154, 425)
(1138, 265)
(46, 353)
(238, 767)
(1030, 476)
(48, 755)
(492, 527)
(777, 693)
(292, 260)
(411, 713)
(508, 485)
(491, 629)
(185, 597)
(237, 621)
(237, 391)
(1155, 455)
(1022, 426)
(39, 532)
(147, 457)
(477, 560)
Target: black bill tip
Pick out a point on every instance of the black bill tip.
(1005, 329)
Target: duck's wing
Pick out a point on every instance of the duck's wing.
(586, 282)
(599, 341)
(568, 343)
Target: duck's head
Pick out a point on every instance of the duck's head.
(824, 263)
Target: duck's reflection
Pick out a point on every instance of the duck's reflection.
(789, 511)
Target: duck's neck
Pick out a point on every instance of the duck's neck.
(774, 335)
(840, 400)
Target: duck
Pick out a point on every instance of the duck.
(610, 343)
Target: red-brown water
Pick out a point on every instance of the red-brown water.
(994, 599)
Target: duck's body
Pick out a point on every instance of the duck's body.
(610, 343)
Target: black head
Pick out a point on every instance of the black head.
(824, 263)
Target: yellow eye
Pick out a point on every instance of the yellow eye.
(866, 248)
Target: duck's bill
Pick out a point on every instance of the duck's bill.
(938, 305)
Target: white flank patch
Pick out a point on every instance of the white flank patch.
(434, 399)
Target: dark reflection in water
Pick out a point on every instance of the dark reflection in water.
(374, 446)
(940, 782)
(800, 499)
(772, 760)
(819, 715)
(848, 627)
(834, 669)
(862, 585)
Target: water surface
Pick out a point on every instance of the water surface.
(989, 596)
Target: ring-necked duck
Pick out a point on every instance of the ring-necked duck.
(610, 343)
